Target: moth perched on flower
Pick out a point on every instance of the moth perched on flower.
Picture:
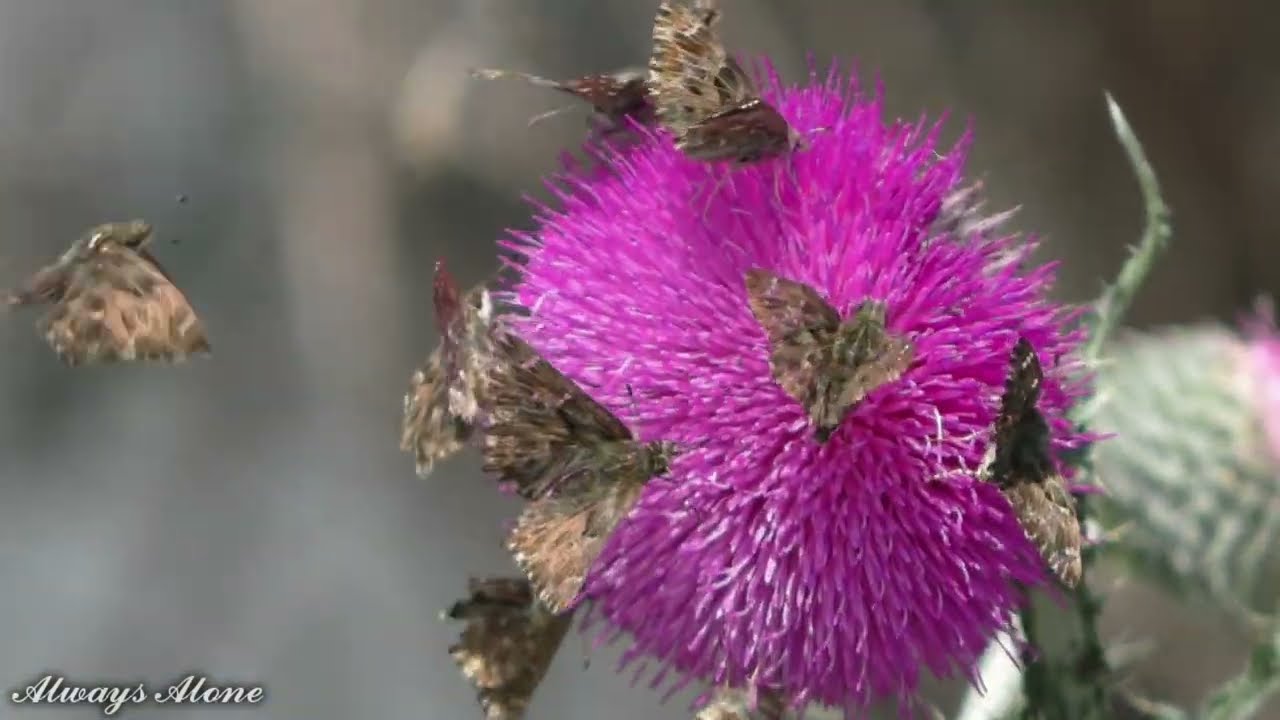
(704, 97)
(722, 570)
(112, 302)
(827, 365)
(1020, 464)
(446, 392)
(576, 463)
(615, 97)
(507, 645)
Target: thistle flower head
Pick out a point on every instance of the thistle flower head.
(1263, 347)
(1194, 478)
(831, 572)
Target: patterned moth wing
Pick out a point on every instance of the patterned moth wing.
(574, 460)
(507, 645)
(446, 392)
(613, 96)
(704, 97)
(1021, 465)
(827, 365)
(113, 302)
(739, 705)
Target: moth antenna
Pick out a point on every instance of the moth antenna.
(711, 196)
(494, 74)
(549, 114)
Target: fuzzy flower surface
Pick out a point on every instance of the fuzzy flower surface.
(836, 572)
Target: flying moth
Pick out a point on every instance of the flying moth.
(704, 97)
(613, 96)
(577, 464)
(1021, 465)
(507, 644)
(111, 301)
(827, 364)
(446, 391)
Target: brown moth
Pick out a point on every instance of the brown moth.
(1019, 462)
(574, 460)
(112, 302)
(704, 97)
(826, 364)
(614, 96)
(738, 705)
(446, 392)
(507, 645)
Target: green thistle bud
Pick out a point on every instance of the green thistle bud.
(1192, 474)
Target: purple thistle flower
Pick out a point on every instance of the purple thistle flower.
(832, 572)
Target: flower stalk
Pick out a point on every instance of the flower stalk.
(1068, 675)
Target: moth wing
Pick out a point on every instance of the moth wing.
(1047, 513)
(785, 307)
(119, 306)
(557, 539)
(468, 348)
(539, 420)
(691, 76)
(507, 645)
(612, 94)
(881, 361)
(800, 326)
(731, 704)
(1021, 390)
(736, 87)
(429, 429)
(745, 132)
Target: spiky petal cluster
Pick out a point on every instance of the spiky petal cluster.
(1194, 478)
(832, 573)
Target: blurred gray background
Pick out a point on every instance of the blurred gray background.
(250, 516)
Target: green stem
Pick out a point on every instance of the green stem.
(1242, 696)
(1115, 299)
(1074, 686)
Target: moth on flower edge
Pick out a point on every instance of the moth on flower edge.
(446, 392)
(507, 645)
(704, 97)
(827, 365)
(577, 464)
(113, 302)
(613, 96)
(1020, 463)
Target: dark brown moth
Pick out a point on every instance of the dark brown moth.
(704, 97)
(576, 463)
(826, 364)
(112, 302)
(1021, 465)
(507, 645)
(739, 705)
(446, 392)
(614, 96)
